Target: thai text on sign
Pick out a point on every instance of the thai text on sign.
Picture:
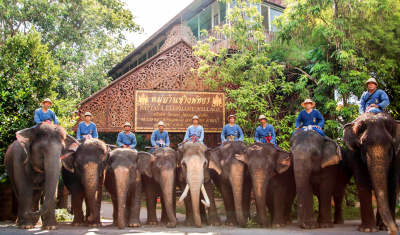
(176, 109)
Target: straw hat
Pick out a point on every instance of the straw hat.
(46, 100)
(262, 117)
(127, 124)
(195, 117)
(232, 115)
(87, 114)
(160, 123)
(371, 80)
(308, 101)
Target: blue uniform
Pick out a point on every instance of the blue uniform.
(129, 139)
(41, 116)
(379, 98)
(234, 130)
(314, 118)
(84, 129)
(198, 132)
(159, 139)
(267, 131)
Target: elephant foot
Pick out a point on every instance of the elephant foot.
(51, 225)
(164, 220)
(278, 224)
(151, 222)
(326, 225)
(77, 224)
(171, 225)
(338, 221)
(309, 225)
(231, 222)
(94, 225)
(133, 223)
(25, 225)
(288, 221)
(214, 220)
(368, 228)
(189, 222)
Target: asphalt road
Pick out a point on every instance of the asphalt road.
(350, 227)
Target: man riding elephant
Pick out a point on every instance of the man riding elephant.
(159, 138)
(45, 114)
(310, 119)
(126, 139)
(374, 100)
(87, 129)
(265, 133)
(231, 131)
(195, 132)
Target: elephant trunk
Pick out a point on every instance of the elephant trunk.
(378, 170)
(195, 183)
(236, 180)
(260, 183)
(91, 179)
(167, 180)
(122, 183)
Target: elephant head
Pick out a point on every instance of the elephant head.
(163, 171)
(264, 162)
(375, 139)
(88, 164)
(311, 153)
(223, 161)
(127, 166)
(45, 146)
(193, 163)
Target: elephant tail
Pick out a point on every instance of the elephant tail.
(40, 212)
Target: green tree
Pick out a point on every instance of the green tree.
(28, 73)
(83, 36)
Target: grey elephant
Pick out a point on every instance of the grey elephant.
(193, 178)
(232, 178)
(374, 153)
(83, 175)
(159, 180)
(32, 163)
(123, 182)
(320, 168)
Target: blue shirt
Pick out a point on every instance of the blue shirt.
(379, 98)
(157, 137)
(261, 133)
(129, 139)
(234, 130)
(41, 116)
(313, 118)
(196, 131)
(84, 129)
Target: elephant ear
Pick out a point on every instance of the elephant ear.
(25, 137)
(350, 137)
(70, 146)
(332, 154)
(180, 152)
(242, 157)
(143, 160)
(397, 140)
(215, 161)
(68, 162)
(283, 161)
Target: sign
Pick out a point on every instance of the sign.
(177, 108)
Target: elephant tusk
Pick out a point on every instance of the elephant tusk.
(185, 192)
(207, 201)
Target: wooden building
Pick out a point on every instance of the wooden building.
(164, 61)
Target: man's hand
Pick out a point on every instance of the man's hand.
(374, 105)
(125, 146)
(155, 146)
(225, 142)
(184, 141)
(167, 146)
(297, 128)
(318, 127)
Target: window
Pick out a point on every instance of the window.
(264, 13)
(119, 74)
(193, 24)
(142, 59)
(126, 70)
(205, 19)
(215, 12)
(274, 13)
(160, 44)
(133, 65)
(222, 11)
(152, 52)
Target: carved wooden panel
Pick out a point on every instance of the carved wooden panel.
(190, 80)
(178, 33)
(98, 108)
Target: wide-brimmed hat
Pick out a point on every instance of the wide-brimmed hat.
(127, 124)
(232, 115)
(195, 117)
(160, 123)
(371, 80)
(262, 117)
(87, 114)
(308, 101)
(46, 100)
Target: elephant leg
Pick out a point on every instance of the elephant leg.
(36, 219)
(25, 204)
(269, 201)
(164, 216)
(227, 196)
(338, 218)
(278, 219)
(115, 210)
(134, 215)
(364, 188)
(246, 198)
(99, 191)
(189, 221)
(151, 203)
(324, 200)
(77, 198)
(213, 218)
(289, 198)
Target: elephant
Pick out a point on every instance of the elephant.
(158, 179)
(83, 175)
(273, 182)
(123, 182)
(33, 165)
(193, 175)
(373, 142)
(232, 178)
(320, 167)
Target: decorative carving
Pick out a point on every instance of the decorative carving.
(178, 33)
(98, 108)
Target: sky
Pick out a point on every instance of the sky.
(152, 15)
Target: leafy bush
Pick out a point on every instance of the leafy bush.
(63, 215)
